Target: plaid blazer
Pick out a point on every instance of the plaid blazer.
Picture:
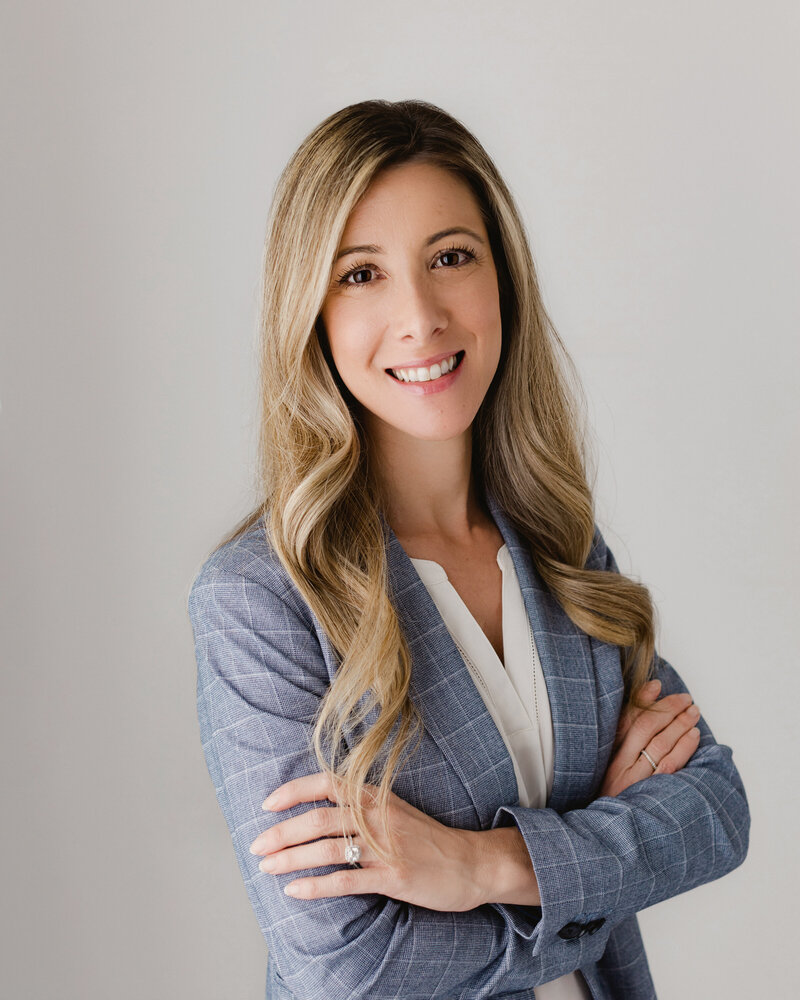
(264, 663)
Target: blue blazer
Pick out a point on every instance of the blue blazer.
(264, 663)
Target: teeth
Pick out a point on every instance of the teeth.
(425, 374)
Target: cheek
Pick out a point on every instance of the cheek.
(350, 338)
(338, 330)
(488, 312)
(482, 309)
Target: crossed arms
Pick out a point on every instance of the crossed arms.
(261, 675)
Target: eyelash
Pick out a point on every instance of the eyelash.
(364, 265)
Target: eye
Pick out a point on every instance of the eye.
(361, 268)
(467, 252)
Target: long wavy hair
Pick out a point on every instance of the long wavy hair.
(319, 497)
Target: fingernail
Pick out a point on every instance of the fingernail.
(695, 731)
(271, 802)
(654, 685)
(693, 711)
(292, 889)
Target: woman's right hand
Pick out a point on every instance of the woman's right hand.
(665, 728)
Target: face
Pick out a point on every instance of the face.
(413, 286)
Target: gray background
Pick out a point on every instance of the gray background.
(652, 149)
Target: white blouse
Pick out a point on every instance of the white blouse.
(515, 696)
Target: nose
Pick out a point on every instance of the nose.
(417, 310)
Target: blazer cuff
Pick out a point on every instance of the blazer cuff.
(572, 922)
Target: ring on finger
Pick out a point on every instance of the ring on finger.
(653, 764)
(352, 851)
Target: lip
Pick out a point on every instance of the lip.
(425, 362)
(427, 388)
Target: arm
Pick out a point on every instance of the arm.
(261, 674)
(658, 838)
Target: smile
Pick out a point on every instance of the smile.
(437, 378)
(431, 374)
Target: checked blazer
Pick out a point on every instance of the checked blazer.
(264, 663)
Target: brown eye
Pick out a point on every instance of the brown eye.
(450, 254)
(448, 257)
(361, 268)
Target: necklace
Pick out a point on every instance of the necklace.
(534, 671)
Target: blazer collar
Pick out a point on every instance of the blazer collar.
(453, 710)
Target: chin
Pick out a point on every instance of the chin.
(434, 434)
(385, 423)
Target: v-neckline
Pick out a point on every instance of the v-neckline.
(509, 688)
(481, 636)
(456, 718)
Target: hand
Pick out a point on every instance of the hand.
(437, 865)
(664, 728)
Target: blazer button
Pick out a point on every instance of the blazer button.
(595, 925)
(571, 931)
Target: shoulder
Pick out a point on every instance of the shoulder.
(249, 621)
(247, 565)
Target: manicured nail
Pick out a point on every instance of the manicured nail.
(271, 802)
(292, 889)
(693, 711)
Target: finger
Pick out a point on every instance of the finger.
(669, 706)
(679, 756)
(645, 723)
(650, 691)
(649, 722)
(309, 788)
(313, 823)
(329, 851)
(663, 742)
(348, 882)
(647, 696)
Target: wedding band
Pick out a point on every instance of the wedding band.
(652, 762)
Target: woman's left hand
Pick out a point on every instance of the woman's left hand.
(664, 727)
(437, 868)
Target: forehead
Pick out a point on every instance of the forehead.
(411, 196)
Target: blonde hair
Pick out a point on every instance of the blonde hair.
(319, 497)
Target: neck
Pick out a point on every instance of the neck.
(428, 487)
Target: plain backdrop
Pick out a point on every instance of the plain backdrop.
(652, 149)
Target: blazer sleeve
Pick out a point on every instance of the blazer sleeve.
(261, 675)
(668, 833)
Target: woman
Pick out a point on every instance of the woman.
(420, 630)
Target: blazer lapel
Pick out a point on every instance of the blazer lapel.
(454, 712)
(565, 653)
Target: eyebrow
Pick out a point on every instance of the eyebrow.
(371, 248)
